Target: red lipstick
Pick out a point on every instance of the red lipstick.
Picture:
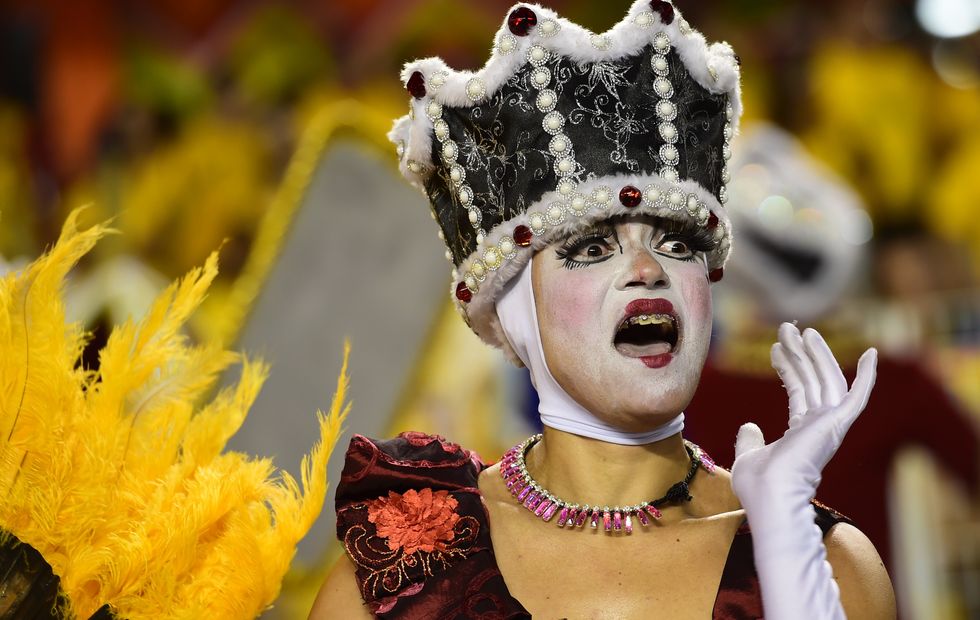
(649, 306)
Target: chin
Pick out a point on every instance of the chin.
(635, 398)
(647, 408)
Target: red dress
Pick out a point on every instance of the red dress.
(412, 520)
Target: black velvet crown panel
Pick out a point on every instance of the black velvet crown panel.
(508, 154)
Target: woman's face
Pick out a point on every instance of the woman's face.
(624, 311)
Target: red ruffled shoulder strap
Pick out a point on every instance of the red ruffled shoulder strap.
(411, 518)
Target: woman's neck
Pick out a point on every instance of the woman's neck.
(584, 470)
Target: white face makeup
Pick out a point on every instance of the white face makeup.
(624, 313)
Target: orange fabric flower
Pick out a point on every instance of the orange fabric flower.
(416, 520)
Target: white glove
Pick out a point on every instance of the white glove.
(776, 482)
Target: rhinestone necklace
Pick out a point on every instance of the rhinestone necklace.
(544, 504)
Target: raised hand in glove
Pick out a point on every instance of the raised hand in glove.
(776, 482)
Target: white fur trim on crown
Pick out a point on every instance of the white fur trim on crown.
(480, 313)
(713, 67)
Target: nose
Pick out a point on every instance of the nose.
(643, 269)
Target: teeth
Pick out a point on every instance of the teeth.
(649, 319)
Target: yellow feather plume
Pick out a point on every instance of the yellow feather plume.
(117, 477)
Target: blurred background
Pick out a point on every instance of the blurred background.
(258, 128)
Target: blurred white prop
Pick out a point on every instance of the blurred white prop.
(801, 230)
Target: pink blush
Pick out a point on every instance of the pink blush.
(570, 307)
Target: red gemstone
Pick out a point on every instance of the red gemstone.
(463, 294)
(416, 85)
(712, 221)
(522, 236)
(716, 275)
(521, 20)
(664, 9)
(630, 196)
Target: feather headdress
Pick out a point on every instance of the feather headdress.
(117, 476)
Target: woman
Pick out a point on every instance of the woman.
(579, 181)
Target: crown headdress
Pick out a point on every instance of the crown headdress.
(561, 128)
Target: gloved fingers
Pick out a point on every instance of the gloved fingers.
(749, 438)
(857, 399)
(832, 383)
(789, 337)
(790, 378)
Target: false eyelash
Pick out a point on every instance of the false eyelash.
(597, 233)
(697, 239)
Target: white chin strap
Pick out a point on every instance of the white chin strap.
(519, 320)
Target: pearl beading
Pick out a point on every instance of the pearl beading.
(570, 204)
(574, 204)
(614, 520)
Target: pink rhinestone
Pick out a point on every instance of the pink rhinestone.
(652, 510)
(542, 507)
(550, 512)
(581, 517)
(518, 487)
(532, 500)
(524, 493)
(570, 519)
(707, 462)
(509, 471)
(642, 518)
(563, 517)
(594, 522)
(513, 480)
(607, 521)
(617, 521)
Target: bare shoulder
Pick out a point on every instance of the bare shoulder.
(339, 596)
(866, 591)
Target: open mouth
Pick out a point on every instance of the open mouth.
(645, 335)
